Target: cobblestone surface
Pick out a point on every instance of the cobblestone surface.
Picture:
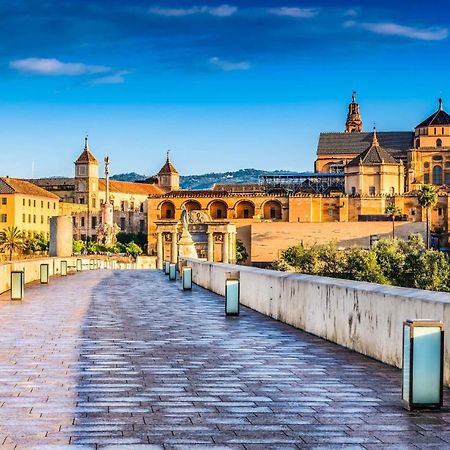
(126, 360)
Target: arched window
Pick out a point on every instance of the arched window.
(272, 210)
(218, 209)
(167, 210)
(447, 178)
(371, 190)
(438, 142)
(437, 158)
(437, 175)
(426, 178)
(417, 143)
(245, 210)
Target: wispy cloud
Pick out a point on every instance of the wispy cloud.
(394, 29)
(115, 78)
(228, 66)
(303, 13)
(52, 66)
(218, 11)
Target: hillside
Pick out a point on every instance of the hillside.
(207, 180)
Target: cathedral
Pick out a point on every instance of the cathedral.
(356, 175)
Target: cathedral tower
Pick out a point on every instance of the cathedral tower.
(86, 177)
(168, 176)
(354, 122)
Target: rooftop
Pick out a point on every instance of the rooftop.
(439, 118)
(16, 186)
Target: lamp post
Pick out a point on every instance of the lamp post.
(79, 265)
(44, 273)
(172, 272)
(186, 277)
(166, 267)
(63, 268)
(423, 355)
(17, 284)
(232, 296)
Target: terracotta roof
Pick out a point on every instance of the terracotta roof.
(16, 186)
(168, 167)
(57, 181)
(439, 118)
(237, 187)
(373, 155)
(86, 155)
(395, 142)
(127, 187)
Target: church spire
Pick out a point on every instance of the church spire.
(354, 122)
(374, 138)
(440, 104)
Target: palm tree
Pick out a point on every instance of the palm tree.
(427, 198)
(11, 241)
(392, 210)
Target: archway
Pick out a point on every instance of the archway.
(192, 205)
(272, 210)
(167, 210)
(245, 210)
(218, 209)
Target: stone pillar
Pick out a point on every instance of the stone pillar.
(226, 248)
(210, 246)
(159, 251)
(233, 248)
(174, 248)
(61, 236)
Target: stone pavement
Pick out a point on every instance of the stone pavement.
(127, 360)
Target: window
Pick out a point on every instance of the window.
(94, 222)
(438, 142)
(439, 211)
(273, 213)
(29, 218)
(74, 221)
(417, 143)
(437, 175)
(442, 130)
(141, 207)
(169, 213)
(29, 202)
(246, 213)
(48, 205)
(34, 218)
(54, 205)
(81, 170)
(219, 214)
(94, 203)
(426, 165)
(447, 178)
(24, 218)
(23, 202)
(371, 190)
(4, 200)
(437, 158)
(142, 226)
(122, 223)
(82, 200)
(3, 218)
(413, 211)
(353, 190)
(42, 219)
(82, 221)
(391, 190)
(132, 206)
(42, 204)
(34, 203)
(426, 178)
(435, 131)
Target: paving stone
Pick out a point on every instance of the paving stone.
(126, 360)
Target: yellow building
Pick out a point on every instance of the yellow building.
(26, 206)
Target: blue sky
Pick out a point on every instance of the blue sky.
(224, 85)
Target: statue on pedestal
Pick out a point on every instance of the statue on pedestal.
(107, 230)
(186, 246)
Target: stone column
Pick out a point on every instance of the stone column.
(174, 248)
(233, 248)
(226, 248)
(159, 250)
(210, 246)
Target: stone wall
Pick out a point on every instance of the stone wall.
(269, 239)
(364, 317)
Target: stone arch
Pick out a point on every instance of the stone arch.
(192, 205)
(218, 209)
(167, 210)
(272, 210)
(245, 209)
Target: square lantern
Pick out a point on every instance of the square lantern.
(63, 268)
(172, 272)
(373, 239)
(423, 357)
(232, 295)
(79, 265)
(166, 267)
(17, 284)
(186, 277)
(44, 273)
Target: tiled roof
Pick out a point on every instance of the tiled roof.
(167, 168)
(237, 187)
(14, 185)
(355, 143)
(86, 156)
(57, 181)
(127, 187)
(373, 155)
(439, 118)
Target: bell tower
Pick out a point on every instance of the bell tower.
(86, 177)
(168, 176)
(354, 122)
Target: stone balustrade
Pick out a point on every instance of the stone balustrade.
(364, 317)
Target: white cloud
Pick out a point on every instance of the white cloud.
(52, 66)
(229, 66)
(303, 13)
(219, 11)
(394, 29)
(114, 78)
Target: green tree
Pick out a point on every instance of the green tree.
(11, 241)
(427, 198)
(393, 211)
(138, 238)
(241, 252)
(390, 257)
(38, 243)
(302, 259)
(77, 246)
(362, 265)
(432, 271)
(331, 261)
(133, 249)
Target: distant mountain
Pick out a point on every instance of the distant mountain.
(207, 180)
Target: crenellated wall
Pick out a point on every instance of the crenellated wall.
(364, 317)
